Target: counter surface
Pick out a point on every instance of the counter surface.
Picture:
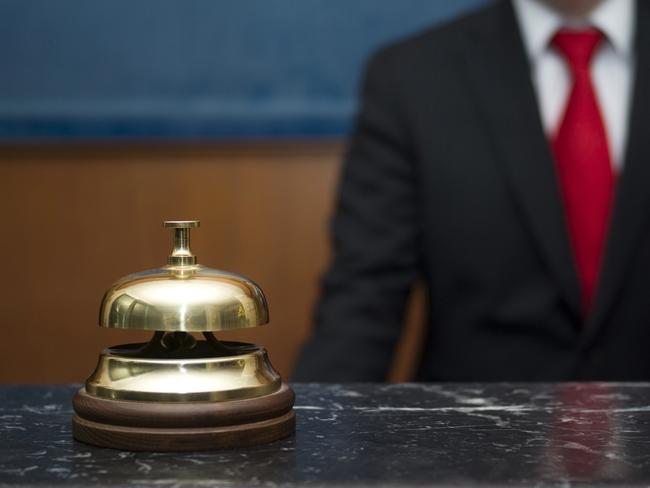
(592, 434)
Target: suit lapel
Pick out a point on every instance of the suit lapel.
(632, 204)
(499, 75)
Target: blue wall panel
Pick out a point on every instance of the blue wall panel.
(193, 68)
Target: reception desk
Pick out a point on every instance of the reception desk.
(591, 434)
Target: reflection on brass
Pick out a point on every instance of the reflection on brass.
(214, 379)
(183, 296)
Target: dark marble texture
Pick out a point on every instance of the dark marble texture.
(592, 434)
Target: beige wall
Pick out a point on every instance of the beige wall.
(76, 218)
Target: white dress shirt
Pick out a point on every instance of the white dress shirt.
(612, 68)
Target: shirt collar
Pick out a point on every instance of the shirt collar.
(539, 23)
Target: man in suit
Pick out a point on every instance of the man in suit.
(504, 160)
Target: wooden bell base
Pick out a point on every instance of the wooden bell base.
(149, 426)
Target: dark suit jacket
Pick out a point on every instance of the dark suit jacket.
(450, 179)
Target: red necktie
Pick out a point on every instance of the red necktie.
(583, 161)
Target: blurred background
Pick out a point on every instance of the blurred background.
(115, 116)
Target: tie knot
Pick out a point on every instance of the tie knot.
(577, 46)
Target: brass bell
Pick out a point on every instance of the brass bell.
(175, 392)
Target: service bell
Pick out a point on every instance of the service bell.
(177, 393)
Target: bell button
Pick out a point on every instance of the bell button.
(181, 254)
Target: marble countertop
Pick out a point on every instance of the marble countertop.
(592, 434)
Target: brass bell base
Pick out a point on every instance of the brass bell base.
(174, 367)
(186, 426)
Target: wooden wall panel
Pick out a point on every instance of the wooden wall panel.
(76, 218)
